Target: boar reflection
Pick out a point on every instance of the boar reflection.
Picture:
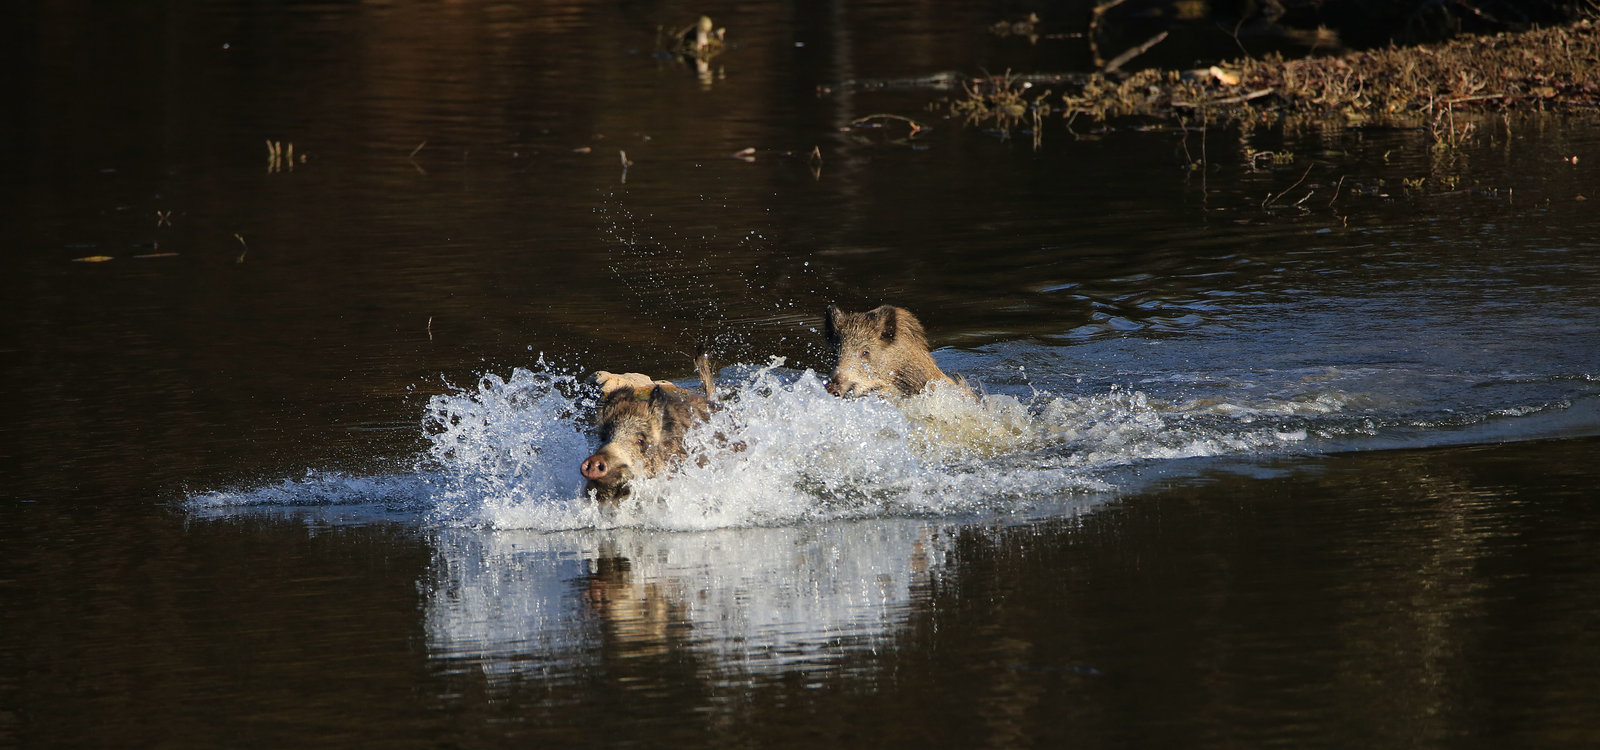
(744, 600)
(641, 617)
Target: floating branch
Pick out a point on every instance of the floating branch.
(1296, 184)
(1125, 57)
(916, 127)
(1242, 98)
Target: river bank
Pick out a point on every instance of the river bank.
(1425, 86)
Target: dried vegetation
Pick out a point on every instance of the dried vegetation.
(1421, 86)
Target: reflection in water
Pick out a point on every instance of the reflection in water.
(751, 600)
(460, 213)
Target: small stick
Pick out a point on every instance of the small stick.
(414, 151)
(916, 127)
(1094, 27)
(1242, 98)
(1296, 184)
(1478, 98)
(1122, 59)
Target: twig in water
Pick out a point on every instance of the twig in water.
(242, 244)
(1122, 59)
(1235, 35)
(1240, 99)
(274, 156)
(1336, 191)
(1296, 184)
(412, 157)
(1094, 27)
(916, 127)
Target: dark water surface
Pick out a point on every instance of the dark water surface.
(1272, 451)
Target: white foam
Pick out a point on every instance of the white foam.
(782, 450)
(506, 454)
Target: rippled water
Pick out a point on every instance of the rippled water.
(1265, 451)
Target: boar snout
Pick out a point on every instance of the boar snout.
(833, 386)
(605, 468)
(847, 384)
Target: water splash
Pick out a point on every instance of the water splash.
(505, 454)
(779, 450)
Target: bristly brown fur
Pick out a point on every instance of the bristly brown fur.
(886, 321)
(641, 424)
(884, 350)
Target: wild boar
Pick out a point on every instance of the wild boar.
(883, 351)
(641, 423)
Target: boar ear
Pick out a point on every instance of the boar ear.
(889, 319)
(608, 382)
(662, 392)
(830, 325)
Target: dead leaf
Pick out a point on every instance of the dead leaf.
(1225, 77)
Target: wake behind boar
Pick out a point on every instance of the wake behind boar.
(641, 423)
(883, 351)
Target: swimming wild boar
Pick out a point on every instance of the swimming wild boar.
(641, 423)
(882, 351)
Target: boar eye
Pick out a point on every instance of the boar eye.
(641, 441)
(866, 354)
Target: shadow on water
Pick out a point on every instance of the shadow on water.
(1290, 447)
